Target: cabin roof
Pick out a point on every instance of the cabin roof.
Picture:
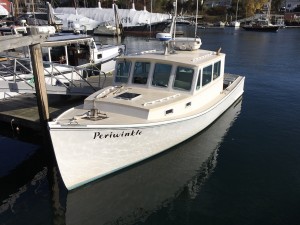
(193, 58)
(65, 39)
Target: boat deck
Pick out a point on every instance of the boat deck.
(81, 116)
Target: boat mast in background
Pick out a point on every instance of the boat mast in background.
(196, 21)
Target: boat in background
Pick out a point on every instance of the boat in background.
(107, 29)
(110, 28)
(66, 58)
(235, 23)
(261, 24)
(146, 29)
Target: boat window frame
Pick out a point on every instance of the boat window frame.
(199, 79)
(139, 78)
(180, 84)
(128, 71)
(156, 82)
(207, 77)
(56, 54)
(217, 73)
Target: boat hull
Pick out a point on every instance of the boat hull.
(87, 153)
(192, 163)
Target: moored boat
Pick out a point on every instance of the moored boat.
(263, 22)
(184, 169)
(107, 29)
(146, 29)
(67, 58)
(261, 25)
(158, 100)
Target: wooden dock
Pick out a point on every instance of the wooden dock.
(22, 110)
(34, 110)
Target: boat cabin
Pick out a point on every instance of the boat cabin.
(189, 75)
(73, 50)
(153, 85)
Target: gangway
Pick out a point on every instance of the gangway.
(16, 76)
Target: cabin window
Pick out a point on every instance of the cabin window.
(58, 54)
(217, 70)
(45, 54)
(199, 80)
(161, 75)
(122, 73)
(140, 73)
(183, 78)
(78, 54)
(207, 75)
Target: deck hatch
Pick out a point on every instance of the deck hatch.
(128, 96)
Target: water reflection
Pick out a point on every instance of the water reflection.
(132, 195)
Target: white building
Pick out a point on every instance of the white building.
(290, 5)
(213, 3)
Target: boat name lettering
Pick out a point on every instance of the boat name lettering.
(117, 135)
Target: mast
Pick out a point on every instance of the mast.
(175, 16)
(237, 9)
(196, 21)
(16, 14)
(117, 20)
(269, 10)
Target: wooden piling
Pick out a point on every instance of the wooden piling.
(39, 81)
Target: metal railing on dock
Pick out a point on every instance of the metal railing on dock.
(16, 76)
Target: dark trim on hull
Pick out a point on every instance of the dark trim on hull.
(144, 30)
(262, 29)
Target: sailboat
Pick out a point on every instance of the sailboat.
(180, 43)
(235, 23)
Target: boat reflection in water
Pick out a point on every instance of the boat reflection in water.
(134, 194)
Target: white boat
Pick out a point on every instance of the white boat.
(234, 24)
(81, 51)
(107, 29)
(158, 100)
(64, 57)
(186, 43)
(121, 197)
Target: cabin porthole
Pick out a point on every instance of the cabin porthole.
(169, 111)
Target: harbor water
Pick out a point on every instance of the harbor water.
(243, 169)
